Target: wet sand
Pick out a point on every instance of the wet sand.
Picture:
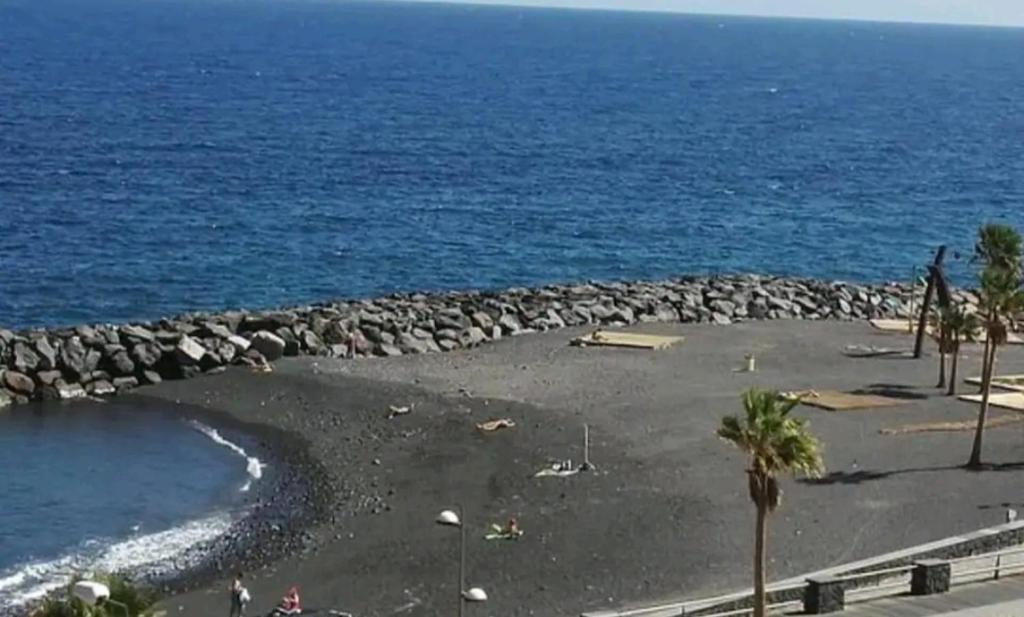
(665, 516)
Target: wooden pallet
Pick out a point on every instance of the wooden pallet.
(605, 338)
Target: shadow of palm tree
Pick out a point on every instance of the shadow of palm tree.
(868, 475)
(891, 390)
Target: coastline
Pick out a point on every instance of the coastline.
(266, 520)
(315, 489)
(282, 505)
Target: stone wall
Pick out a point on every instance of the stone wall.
(101, 360)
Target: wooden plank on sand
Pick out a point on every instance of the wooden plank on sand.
(626, 339)
(1006, 400)
(1007, 382)
(893, 325)
(834, 400)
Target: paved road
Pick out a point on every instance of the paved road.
(1002, 598)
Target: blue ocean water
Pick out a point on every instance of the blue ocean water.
(107, 487)
(164, 155)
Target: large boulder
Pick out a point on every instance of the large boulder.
(509, 324)
(48, 378)
(19, 382)
(101, 387)
(471, 337)
(123, 384)
(270, 345)
(215, 329)
(138, 333)
(6, 400)
(483, 321)
(69, 391)
(146, 354)
(47, 354)
(26, 360)
(188, 351)
(411, 344)
(239, 343)
(311, 342)
(73, 358)
(122, 364)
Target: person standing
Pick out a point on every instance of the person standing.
(236, 590)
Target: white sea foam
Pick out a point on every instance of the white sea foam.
(144, 553)
(253, 466)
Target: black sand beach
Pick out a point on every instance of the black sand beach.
(665, 516)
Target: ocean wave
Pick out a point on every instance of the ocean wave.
(253, 466)
(143, 555)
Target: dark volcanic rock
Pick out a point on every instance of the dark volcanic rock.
(101, 388)
(146, 354)
(150, 377)
(19, 382)
(138, 333)
(47, 354)
(189, 351)
(47, 378)
(26, 359)
(270, 345)
(122, 364)
(189, 345)
(125, 383)
(73, 358)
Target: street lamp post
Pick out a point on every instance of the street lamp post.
(456, 519)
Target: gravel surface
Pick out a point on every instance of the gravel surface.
(666, 515)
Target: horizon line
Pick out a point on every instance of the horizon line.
(554, 4)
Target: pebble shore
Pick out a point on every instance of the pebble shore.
(103, 360)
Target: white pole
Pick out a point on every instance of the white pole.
(586, 446)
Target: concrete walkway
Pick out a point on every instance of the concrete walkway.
(1002, 598)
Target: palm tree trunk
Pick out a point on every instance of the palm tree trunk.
(988, 367)
(759, 555)
(952, 369)
(984, 360)
(942, 358)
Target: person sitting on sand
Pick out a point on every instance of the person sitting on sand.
(512, 528)
(290, 604)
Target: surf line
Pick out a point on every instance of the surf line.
(253, 466)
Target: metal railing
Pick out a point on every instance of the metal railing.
(889, 582)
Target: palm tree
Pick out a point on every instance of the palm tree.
(962, 325)
(777, 444)
(1001, 297)
(997, 246)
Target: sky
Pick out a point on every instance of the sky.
(985, 12)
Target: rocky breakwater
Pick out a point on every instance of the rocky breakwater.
(101, 360)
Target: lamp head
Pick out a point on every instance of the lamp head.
(450, 518)
(475, 595)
